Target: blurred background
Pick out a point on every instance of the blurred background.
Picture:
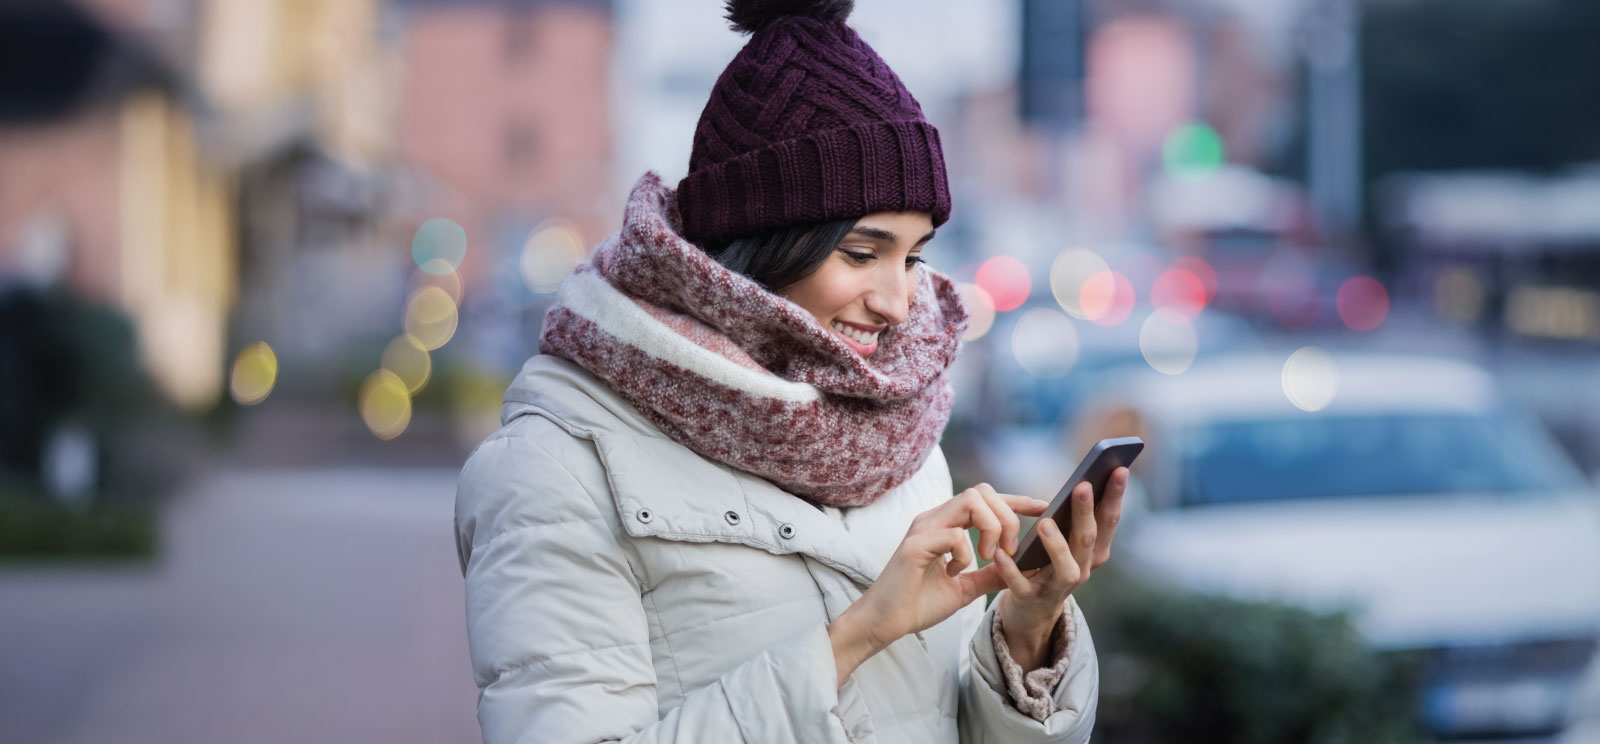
(266, 267)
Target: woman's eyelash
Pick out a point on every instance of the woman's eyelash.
(863, 258)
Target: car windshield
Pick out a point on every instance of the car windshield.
(1358, 455)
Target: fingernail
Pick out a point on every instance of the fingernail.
(1083, 498)
(1048, 525)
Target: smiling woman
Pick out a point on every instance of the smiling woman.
(717, 509)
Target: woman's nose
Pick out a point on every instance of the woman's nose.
(892, 297)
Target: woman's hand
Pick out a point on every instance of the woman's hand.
(1033, 600)
(920, 586)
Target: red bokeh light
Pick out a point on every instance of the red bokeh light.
(1363, 303)
(1203, 271)
(1006, 280)
(1179, 290)
(1107, 298)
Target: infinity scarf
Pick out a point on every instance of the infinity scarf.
(746, 377)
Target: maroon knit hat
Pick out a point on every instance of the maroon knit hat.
(806, 124)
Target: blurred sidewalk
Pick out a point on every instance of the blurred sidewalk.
(306, 605)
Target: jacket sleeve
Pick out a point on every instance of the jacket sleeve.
(988, 715)
(558, 635)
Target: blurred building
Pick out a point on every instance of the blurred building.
(302, 97)
(505, 127)
(105, 183)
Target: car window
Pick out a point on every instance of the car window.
(1324, 456)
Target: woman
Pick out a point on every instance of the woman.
(717, 510)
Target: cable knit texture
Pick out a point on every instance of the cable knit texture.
(748, 378)
(808, 124)
(1033, 693)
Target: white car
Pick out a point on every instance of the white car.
(1449, 524)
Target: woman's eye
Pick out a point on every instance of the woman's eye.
(859, 258)
(912, 261)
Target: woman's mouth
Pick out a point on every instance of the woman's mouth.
(862, 342)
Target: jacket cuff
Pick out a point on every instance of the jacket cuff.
(1033, 692)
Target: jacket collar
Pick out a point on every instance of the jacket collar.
(665, 490)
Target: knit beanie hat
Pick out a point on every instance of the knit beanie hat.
(806, 124)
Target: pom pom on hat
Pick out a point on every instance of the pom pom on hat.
(750, 16)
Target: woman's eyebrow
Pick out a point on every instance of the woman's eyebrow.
(878, 233)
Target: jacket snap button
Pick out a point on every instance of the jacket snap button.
(732, 517)
(786, 531)
(645, 515)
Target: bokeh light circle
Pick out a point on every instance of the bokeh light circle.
(1192, 148)
(1180, 291)
(439, 238)
(255, 372)
(436, 273)
(385, 404)
(549, 254)
(1068, 273)
(980, 310)
(1006, 280)
(431, 317)
(1045, 343)
(1363, 303)
(1107, 298)
(408, 359)
(1203, 271)
(1168, 342)
(1310, 379)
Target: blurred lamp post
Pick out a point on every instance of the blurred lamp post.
(1329, 40)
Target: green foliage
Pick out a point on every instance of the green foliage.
(1180, 667)
(33, 528)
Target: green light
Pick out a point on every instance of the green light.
(1192, 148)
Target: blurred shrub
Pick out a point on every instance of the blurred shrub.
(71, 363)
(33, 527)
(1176, 666)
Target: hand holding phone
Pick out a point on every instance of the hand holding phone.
(1106, 456)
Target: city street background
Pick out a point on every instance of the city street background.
(267, 267)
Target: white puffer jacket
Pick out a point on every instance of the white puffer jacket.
(621, 587)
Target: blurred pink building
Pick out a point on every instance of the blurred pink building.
(505, 117)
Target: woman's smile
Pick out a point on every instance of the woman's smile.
(856, 336)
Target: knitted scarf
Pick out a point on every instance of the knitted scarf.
(746, 377)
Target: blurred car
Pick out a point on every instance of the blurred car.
(1450, 524)
(1028, 415)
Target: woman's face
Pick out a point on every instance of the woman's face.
(867, 283)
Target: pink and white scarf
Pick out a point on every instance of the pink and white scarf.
(746, 377)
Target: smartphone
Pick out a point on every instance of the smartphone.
(1106, 455)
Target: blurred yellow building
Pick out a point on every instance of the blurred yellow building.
(143, 149)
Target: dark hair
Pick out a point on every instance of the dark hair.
(780, 257)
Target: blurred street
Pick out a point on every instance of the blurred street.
(301, 605)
